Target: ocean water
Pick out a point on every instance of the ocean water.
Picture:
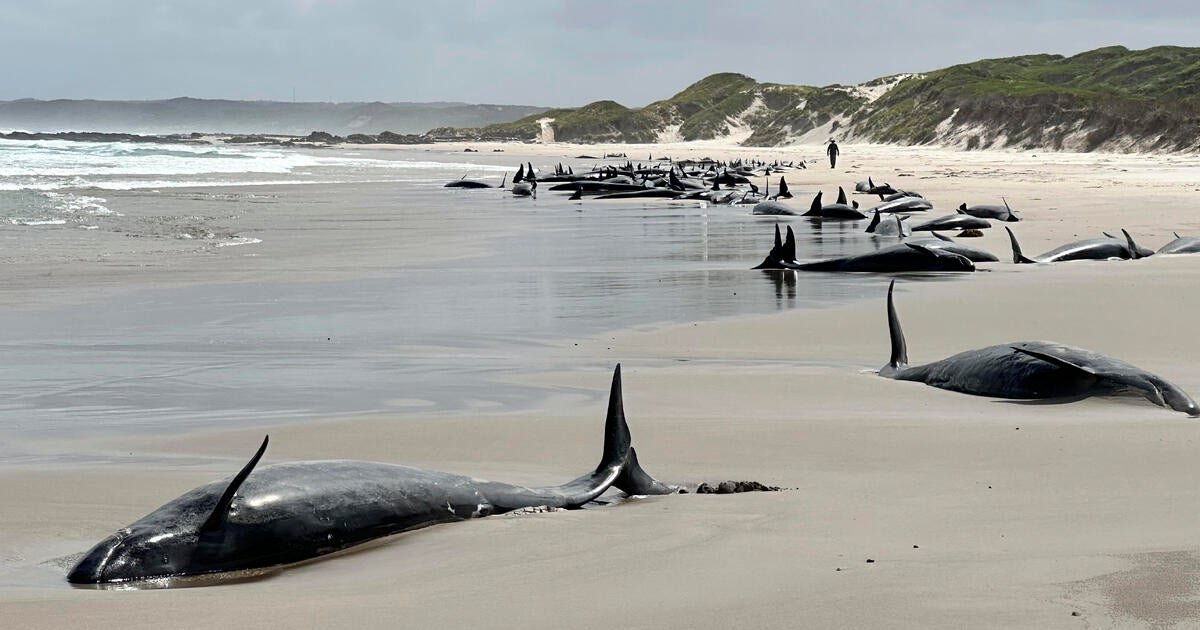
(58, 182)
(437, 337)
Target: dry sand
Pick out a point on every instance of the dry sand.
(975, 512)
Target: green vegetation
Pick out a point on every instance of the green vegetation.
(1151, 96)
(1148, 98)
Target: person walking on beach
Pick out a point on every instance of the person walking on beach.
(833, 152)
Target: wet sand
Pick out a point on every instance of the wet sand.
(975, 512)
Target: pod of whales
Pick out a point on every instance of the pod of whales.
(1030, 370)
(285, 513)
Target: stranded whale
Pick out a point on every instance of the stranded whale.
(1031, 370)
(286, 513)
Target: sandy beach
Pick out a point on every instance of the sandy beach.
(904, 505)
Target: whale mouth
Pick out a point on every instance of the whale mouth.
(178, 581)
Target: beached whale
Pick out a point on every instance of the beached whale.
(966, 251)
(1031, 370)
(953, 222)
(291, 512)
(772, 207)
(1106, 248)
(882, 190)
(988, 211)
(1182, 245)
(839, 210)
(904, 204)
(474, 183)
(904, 257)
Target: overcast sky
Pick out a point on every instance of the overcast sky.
(524, 51)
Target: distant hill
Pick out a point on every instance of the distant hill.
(1106, 99)
(185, 115)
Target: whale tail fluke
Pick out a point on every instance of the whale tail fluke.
(899, 359)
(1018, 257)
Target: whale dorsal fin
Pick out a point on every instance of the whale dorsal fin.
(841, 196)
(783, 188)
(899, 357)
(815, 207)
(1134, 252)
(1018, 257)
(221, 511)
(874, 223)
(520, 176)
(962, 208)
(1059, 361)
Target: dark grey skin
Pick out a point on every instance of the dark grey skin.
(839, 211)
(882, 190)
(287, 513)
(474, 183)
(901, 194)
(895, 259)
(904, 204)
(773, 208)
(1182, 245)
(987, 211)
(966, 251)
(953, 222)
(1090, 249)
(1032, 370)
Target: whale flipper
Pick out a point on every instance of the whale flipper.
(899, 358)
(941, 237)
(1059, 361)
(220, 512)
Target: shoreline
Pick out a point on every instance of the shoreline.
(1003, 513)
